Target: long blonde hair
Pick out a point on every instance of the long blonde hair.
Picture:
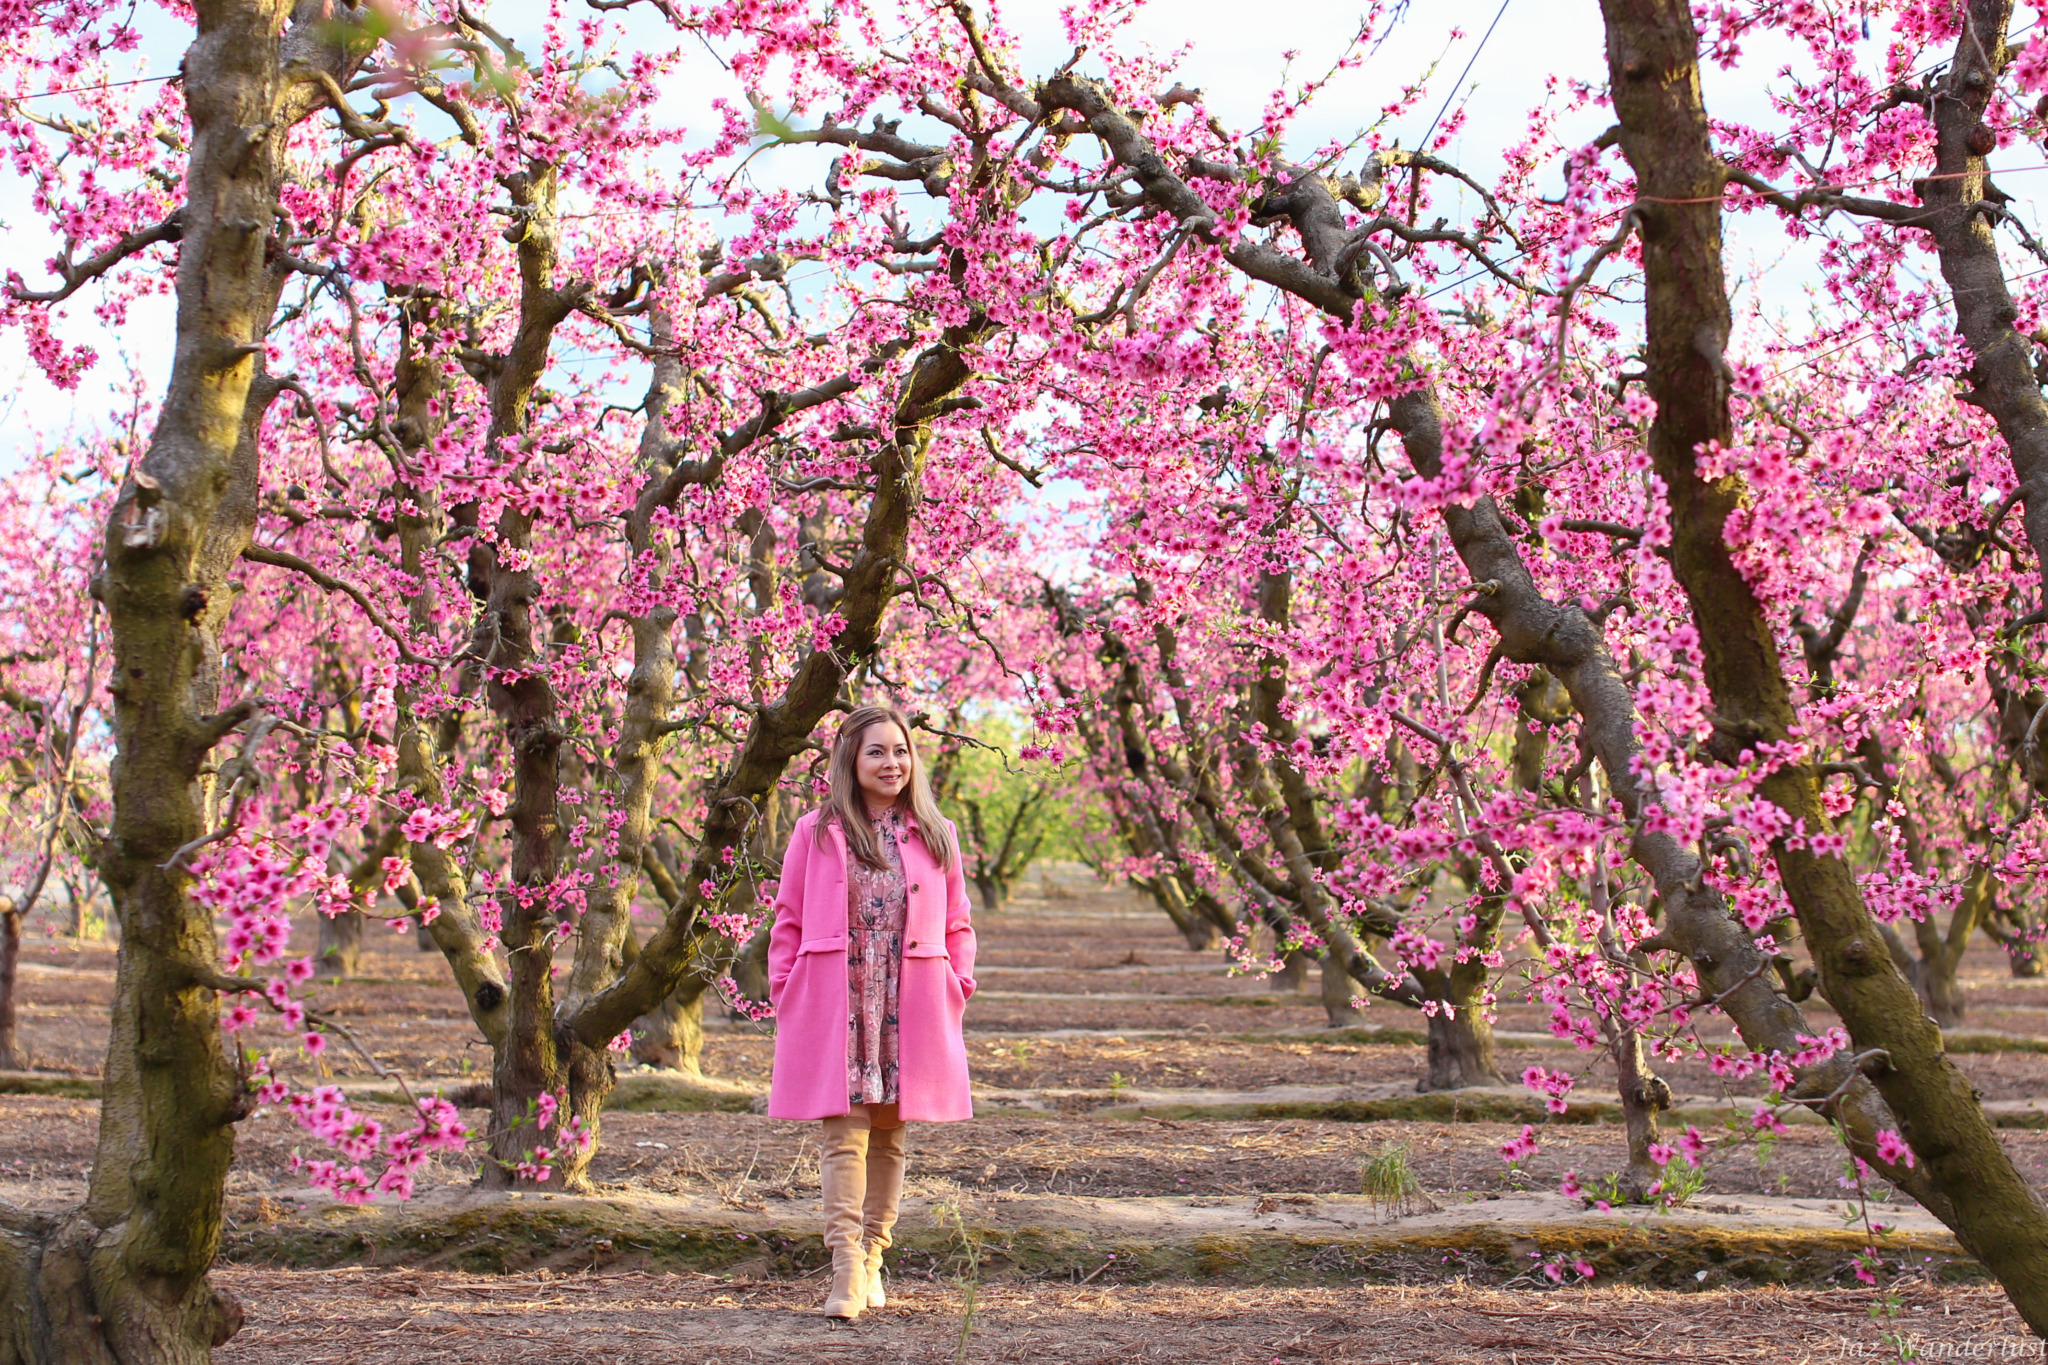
(845, 804)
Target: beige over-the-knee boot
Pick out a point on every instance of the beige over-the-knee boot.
(884, 1194)
(842, 1179)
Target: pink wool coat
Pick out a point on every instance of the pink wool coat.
(807, 982)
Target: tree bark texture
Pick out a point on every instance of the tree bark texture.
(438, 874)
(12, 1058)
(1461, 1051)
(338, 945)
(529, 1060)
(1140, 811)
(1652, 51)
(1339, 1009)
(124, 1278)
(1644, 1095)
(1955, 199)
(2003, 382)
(671, 1035)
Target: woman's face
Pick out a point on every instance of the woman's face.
(882, 763)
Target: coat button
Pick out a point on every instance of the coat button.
(911, 944)
(915, 887)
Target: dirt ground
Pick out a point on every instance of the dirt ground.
(46, 1151)
(1081, 990)
(418, 1318)
(1101, 966)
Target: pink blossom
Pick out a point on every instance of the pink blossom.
(1892, 1149)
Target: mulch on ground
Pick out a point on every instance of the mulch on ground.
(408, 1317)
(46, 1151)
(1074, 987)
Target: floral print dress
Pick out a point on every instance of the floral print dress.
(877, 904)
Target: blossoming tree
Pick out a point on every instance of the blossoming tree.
(1420, 605)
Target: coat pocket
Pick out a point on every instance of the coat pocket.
(823, 945)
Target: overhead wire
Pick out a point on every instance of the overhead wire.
(1442, 110)
(86, 89)
(1445, 107)
(1528, 250)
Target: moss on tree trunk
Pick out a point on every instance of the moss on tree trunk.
(1652, 51)
(12, 1058)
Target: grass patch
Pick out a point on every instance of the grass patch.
(643, 1092)
(45, 1083)
(1984, 1040)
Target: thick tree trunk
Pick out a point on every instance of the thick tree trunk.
(455, 929)
(531, 1058)
(339, 951)
(1339, 1009)
(671, 1035)
(1165, 892)
(85, 917)
(2002, 382)
(1934, 981)
(1461, 1052)
(1643, 1096)
(71, 1301)
(1293, 973)
(1932, 971)
(1461, 1049)
(1541, 704)
(994, 894)
(2023, 956)
(124, 1278)
(1652, 51)
(12, 1058)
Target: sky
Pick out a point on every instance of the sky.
(1498, 56)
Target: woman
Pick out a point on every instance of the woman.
(870, 964)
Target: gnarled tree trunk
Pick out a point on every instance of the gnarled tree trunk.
(1339, 1007)
(1644, 1095)
(1532, 629)
(12, 1058)
(338, 949)
(1653, 76)
(124, 1277)
(1461, 1050)
(1933, 971)
(671, 1035)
